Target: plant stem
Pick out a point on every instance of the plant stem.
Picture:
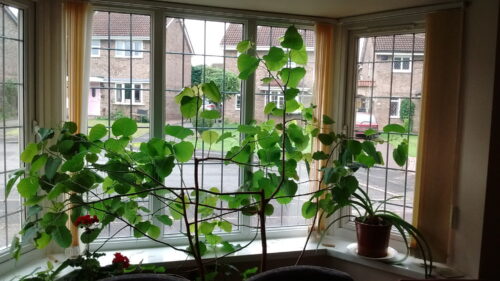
(309, 234)
(263, 238)
(196, 206)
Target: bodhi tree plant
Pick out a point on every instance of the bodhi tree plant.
(71, 175)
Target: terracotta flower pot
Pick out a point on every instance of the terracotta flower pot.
(373, 240)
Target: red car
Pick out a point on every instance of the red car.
(364, 121)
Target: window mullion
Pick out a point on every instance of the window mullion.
(157, 59)
(247, 110)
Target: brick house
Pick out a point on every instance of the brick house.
(387, 76)
(264, 93)
(120, 72)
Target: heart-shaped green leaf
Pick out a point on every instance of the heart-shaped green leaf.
(124, 127)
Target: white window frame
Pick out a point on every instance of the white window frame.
(400, 58)
(156, 99)
(95, 50)
(120, 90)
(26, 116)
(344, 229)
(123, 49)
(398, 107)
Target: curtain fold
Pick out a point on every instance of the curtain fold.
(323, 95)
(439, 134)
(49, 54)
(78, 28)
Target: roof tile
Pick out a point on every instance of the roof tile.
(266, 35)
(120, 24)
(402, 43)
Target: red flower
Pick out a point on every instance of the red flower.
(86, 220)
(121, 260)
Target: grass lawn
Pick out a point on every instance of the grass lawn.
(395, 139)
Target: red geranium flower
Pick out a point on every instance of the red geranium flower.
(121, 260)
(86, 220)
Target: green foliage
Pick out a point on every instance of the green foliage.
(224, 80)
(406, 109)
(247, 65)
(269, 153)
(244, 46)
(178, 131)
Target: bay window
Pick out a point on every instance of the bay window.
(194, 51)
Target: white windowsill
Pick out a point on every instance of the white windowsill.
(285, 248)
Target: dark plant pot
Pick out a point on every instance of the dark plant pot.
(373, 240)
(145, 277)
(300, 273)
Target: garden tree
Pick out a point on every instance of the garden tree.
(217, 75)
(104, 177)
(10, 99)
(406, 113)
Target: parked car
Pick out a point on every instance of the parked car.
(209, 105)
(364, 121)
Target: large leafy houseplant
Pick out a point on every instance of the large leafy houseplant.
(70, 175)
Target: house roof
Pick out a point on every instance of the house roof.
(402, 43)
(265, 35)
(120, 24)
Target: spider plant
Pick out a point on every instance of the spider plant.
(344, 191)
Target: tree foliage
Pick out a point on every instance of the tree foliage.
(201, 73)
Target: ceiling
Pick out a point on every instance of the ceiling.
(320, 8)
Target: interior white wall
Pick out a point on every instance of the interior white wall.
(477, 93)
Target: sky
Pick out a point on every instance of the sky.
(214, 34)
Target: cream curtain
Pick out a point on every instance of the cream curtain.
(50, 82)
(439, 129)
(323, 90)
(78, 29)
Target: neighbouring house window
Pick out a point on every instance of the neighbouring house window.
(127, 92)
(12, 121)
(394, 107)
(277, 98)
(402, 63)
(123, 49)
(237, 102)
(96, 45)
(384, 97)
